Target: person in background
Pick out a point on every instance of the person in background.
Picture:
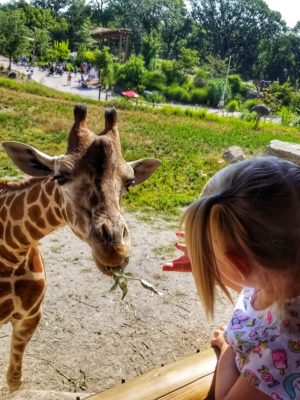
(243, 233)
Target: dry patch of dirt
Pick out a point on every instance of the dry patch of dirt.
(90, 339)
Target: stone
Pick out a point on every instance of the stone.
(286, 150)
(234, 154)
(12, 75)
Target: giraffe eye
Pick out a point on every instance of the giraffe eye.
(61, 179)
(129, 184)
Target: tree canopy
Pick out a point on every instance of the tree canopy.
(256, 38)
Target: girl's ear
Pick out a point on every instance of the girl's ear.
(241, 263)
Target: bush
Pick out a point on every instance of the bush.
(199, 96)
(287, 116)
(156, 97)
(154, 80)
(283, 93)
(233, 106)
(131, 74)
(248, 104)
(214, 92)
(178, 93)
(235, 83)
(201, 77)
(295, 105)
(172, 72)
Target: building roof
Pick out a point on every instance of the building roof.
(110, 32)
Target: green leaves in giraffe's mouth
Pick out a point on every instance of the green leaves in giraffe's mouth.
(121, 279)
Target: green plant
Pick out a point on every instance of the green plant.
(177, 93)
(287, 116)
(172, 72)
(199, 96)
(233, 106)
(154, 80)
(214, 92)
(235, 83)
(155, 98)
(131, 74)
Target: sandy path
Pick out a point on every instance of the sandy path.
(89, 339)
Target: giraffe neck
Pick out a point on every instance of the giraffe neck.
(29, 210)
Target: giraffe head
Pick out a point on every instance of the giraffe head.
(92, 177)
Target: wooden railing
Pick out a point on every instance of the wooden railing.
(187, 379)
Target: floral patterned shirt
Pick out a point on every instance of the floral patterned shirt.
(267, 345)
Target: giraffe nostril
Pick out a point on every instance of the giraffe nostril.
(125, 234)
(106, 233)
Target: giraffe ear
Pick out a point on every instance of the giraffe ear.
(144, 168)
(30, 160)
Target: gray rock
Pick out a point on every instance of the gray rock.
(288, 151)
(234, 154)
(12, 75)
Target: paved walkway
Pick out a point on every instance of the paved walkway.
(58, 82)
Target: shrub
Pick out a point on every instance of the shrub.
(295, 105)
(235, 83)
(177, 93)
(248, 104)
(172, 72)
(201, 77)
(287, 116)
(199, 96)
(214, 92)
(131, 73)
(233, 106)
(154, 80)
(283, 93)
(156, 97)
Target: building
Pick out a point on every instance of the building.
(118, 40)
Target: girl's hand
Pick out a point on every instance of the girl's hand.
(218, 339)
(182, 263)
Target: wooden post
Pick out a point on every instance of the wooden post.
(120, 47)
(126, 46)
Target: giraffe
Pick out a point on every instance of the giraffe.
(82, 188)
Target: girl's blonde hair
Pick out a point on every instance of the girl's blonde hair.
(254, 205)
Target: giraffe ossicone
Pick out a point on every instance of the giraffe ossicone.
(82, 188)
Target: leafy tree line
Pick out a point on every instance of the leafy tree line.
(204, 35)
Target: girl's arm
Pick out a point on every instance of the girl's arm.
(241, 389)
(230, 385)
(226, 373)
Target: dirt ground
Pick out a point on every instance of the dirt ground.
(90, 339)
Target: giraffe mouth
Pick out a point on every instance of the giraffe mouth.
(111, 269)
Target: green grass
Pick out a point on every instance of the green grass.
(189, 142)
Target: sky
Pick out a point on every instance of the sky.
(289, 9)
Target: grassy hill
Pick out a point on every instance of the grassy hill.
(190, 144)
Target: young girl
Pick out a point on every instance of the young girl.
(244, 233)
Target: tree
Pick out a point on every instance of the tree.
(101, 12)
(54, 5)
(175, 26)
(279, 59)
(84, 39)
(76, 15)
(13, 34)
(59, 52)
(236, 27)
(144, 16)
(188, 59)
(104, 62)
(151, 46)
